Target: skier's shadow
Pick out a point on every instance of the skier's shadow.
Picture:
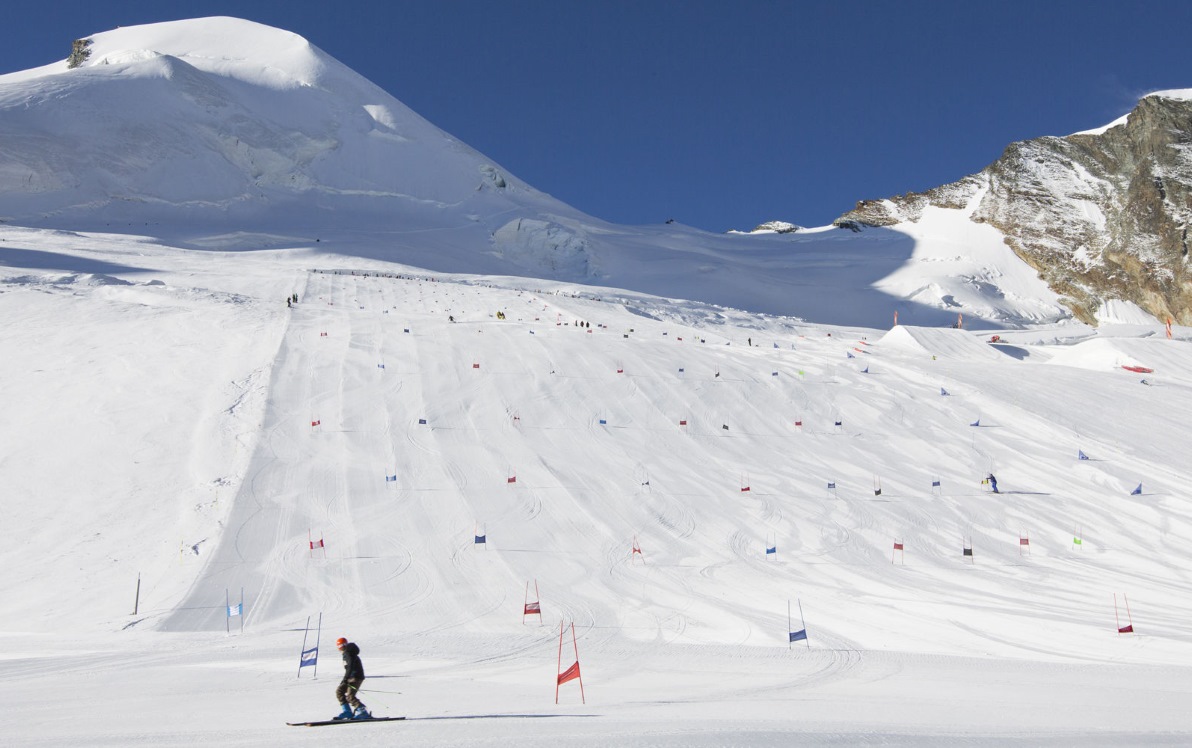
(499, 716)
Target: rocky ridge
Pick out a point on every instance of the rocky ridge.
(1101, 215)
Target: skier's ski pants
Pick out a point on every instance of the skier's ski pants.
(346, 692)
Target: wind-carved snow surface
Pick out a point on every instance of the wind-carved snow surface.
(966, 268)
(544, 248)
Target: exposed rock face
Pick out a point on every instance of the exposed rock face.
(80, 51)
(909, 207)
(776, 227)
(1101, 215)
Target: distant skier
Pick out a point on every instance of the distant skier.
(993, 482)
(350, 685)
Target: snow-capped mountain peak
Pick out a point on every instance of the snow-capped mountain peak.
(228, 118)
(229, 47)
(224, 133)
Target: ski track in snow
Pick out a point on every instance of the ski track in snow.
(699, 618)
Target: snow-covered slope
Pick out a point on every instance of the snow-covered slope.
(227, 120)
(174, 418)
(223, 134)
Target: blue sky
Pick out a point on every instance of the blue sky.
(717, 114)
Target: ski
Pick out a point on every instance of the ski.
(321, 723)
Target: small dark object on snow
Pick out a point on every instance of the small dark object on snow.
(324, 722)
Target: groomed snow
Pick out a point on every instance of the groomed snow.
(159, 423)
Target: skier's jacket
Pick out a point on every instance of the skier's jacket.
(353, 668)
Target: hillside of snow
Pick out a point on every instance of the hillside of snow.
(179, 423)
(228, 120)
(226, 135)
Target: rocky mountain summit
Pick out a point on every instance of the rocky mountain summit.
(1101, 214)
(776, 227)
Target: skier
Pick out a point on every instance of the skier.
(350, 685)
(993, 483)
